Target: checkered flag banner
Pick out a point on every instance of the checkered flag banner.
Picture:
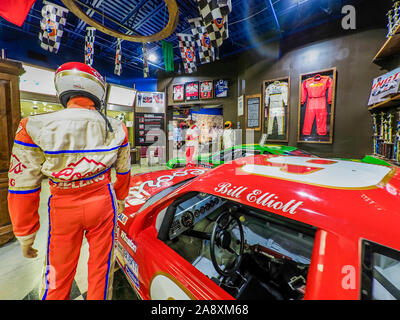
(203, 41)
(145, 62)
(118, 55)
(89, 45)
(215, 16)
(187, 45)
(54, 18)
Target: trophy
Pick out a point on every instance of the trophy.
(390, 24)
(374, 128)
(396, 153)
(382, 126)
(390, 128)
(396, 15)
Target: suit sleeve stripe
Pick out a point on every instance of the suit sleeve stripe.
(26, 144)
(24, 191)
(124, 172)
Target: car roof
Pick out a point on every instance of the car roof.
(334, 195)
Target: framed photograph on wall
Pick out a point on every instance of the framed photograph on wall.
(206, 89)
(253, 112)
(276, 101)
(192, 91)
(221, 88)
(178, 92)
(316, 112)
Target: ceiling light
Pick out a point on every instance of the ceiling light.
(152, 57)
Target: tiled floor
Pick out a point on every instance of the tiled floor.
(20, 278)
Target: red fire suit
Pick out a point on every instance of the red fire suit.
(315, 89)
(70, 147)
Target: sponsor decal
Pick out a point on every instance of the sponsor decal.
(122, 218)
(256, 196)
(16, 165)
(139, 195)
(189, 55)
(51, 28)
(128, 241)
(79, 184)
(219, 22)
(205, 40)
(132, 277)
(81, 165)
(131, 263)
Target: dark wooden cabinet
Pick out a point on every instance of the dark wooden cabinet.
(10, 115)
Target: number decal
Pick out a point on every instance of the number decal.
(164, 287)
(337, 174)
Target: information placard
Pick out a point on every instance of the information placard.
(253, 112)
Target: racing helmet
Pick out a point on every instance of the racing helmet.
(78, 79)
(228, 125)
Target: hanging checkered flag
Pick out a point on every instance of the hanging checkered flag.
(145, 62)
(215, 17)
(89, 45)
(118, 55)
(54, 18)
(187, 45)
(203, 41)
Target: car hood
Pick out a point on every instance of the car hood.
(145, 185)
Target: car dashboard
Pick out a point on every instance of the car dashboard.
(192, 211)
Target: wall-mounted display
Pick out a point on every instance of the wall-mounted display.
(253, 112)
(37, 80)
(192, 91)
(150, 127)
(221, 88)
(122, 96)
(206, 89)
(276, 109)
(384, 87)
(154, 100)
(317, 106)
(178, 92)
(241, 106)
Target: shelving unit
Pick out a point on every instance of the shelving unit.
(390, 48)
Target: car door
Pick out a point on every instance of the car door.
(163, 273)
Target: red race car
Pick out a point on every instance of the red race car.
(264, 227)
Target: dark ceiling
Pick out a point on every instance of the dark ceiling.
(251, 22)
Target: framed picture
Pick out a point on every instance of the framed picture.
(221, 88)
(178, 92)
(276, 100)
(253, 112)
(206, 89)
(316, 112)
(192, 91)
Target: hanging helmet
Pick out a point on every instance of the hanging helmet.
(228, 124)
(78, 79)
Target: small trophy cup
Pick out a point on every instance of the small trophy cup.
(390, 23)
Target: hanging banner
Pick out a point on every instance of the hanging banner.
(215, 18)
(89, 45)
(118, 55)
(168, 53)
(145, 62)
(52, 25)
(203, 41)
(188, 52)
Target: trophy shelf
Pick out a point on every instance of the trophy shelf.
(393, 101)
(391, 46)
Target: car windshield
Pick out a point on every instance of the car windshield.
(158, 196)
(232, 154)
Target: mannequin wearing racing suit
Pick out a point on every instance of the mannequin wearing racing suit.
(316, 89)
(73, 148)
(276, 97)
(192, 143)
(228, 135)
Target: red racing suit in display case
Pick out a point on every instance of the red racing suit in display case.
(315, 89)
(72, 149)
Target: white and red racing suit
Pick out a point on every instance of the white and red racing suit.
(71, 148)
(276, 97)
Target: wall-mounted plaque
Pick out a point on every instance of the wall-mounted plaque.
(253, 112)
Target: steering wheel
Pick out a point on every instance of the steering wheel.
(222, 237)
